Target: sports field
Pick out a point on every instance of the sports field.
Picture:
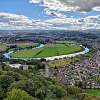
(49, 50)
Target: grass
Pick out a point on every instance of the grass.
(49, 50)
(63, 62)
(24, 45)
(93, 92)
(3, 47)
(59, 63)
(25, 53)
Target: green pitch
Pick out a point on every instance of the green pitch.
(49, 50)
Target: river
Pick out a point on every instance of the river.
(86, 50)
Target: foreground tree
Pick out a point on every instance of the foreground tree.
(17, 94)
(5, 81)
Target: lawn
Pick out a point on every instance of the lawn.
(49, 50)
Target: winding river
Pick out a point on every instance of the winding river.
(86, 50)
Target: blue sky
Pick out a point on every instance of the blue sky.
(21, 7)
(51, 12)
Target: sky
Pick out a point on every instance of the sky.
(49, 14)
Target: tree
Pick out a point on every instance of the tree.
(2, 94)
(58, 90)
(74, 90)
(17, 94)
(40, 93)
(65, 98)
(2, 65)
(16, 76)
(5, 81)
(26, 85)
(82, 96)
(34, 88)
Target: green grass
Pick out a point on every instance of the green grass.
(26, 53)
(24, 45)
(59, 63)
(49, 50)
(93, 92)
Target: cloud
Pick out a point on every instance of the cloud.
(13, 21)
(69, 5)
(96, 8)
(54, 13)
(83, 5)
(90, 22)
(21, 22)
(35, 1)
(56, 7)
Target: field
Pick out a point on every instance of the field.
(25, 45)
(49, 50)
(2, 47)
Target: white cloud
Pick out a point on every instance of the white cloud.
(13, 21)
(84, 5)
(90, 22)
(35, 1)
(58, 6)
(69, 5)
(63, 21)
(96, 8)
(54, 13)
